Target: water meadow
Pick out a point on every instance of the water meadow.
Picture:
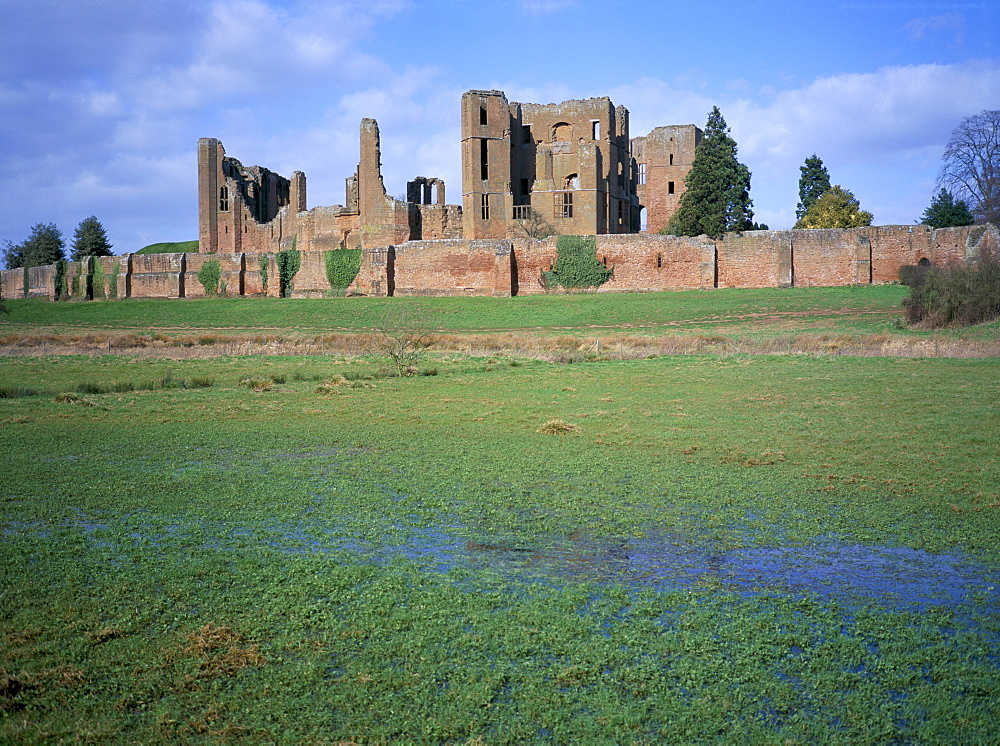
(722, 547)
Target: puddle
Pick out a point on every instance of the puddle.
(895, 576)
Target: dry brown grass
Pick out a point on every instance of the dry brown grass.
(558, 427)
(221, 651)
(555, 348)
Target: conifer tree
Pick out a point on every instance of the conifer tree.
(813, 181)
(946, 212)
(717, 195)
(836, 208)
(44, 246)
(90, 239)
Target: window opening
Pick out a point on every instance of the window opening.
(223, 199)
(670, 187)
(659, 260)
(485, 204)
(483, 160)
(526, 131)
(572, 182)
(564, 205)
(482, 114)
(671, 159)
(642, 173)
(595, 133)
(621, 212)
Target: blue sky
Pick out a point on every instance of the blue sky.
(103, 101)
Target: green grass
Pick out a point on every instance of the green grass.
(412, 560)
(862, 309)
(176, 247)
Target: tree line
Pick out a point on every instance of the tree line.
(46, 245)
(717, 200)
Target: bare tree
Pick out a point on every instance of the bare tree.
(533, 226)
(972, 164)
(401, 334)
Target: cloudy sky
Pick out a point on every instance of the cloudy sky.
(102, 101)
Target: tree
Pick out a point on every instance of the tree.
(401, 334)
(836, 208)
(971, 167)
(90, 239)
(533, 225)
(946, 212)
(717, 195)
(813, 181)
(45, 245)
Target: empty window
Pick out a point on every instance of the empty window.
(525, 187)
(526, 130)
(223, 199)
(564, 205)
(484, 169)
(659, 260)
(595, 130)
(571, 182)
(642, 173)
(671, 159)
(670, 187)
(621, 212)
(562, 132)
(485, 206)
(482, 114)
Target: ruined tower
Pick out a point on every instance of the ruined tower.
(663, 159)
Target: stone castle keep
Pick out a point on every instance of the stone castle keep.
(572, 167)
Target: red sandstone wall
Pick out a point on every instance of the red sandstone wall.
(452, 267)
(649, 262)
(827, 257)
(155, 275)
(12, 283)
(230, 278)
(756, 259)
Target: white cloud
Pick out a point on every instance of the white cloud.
(950, 24)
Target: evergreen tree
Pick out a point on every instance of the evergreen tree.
(813, 181)
(946, 212)
(717, 195)
(45, 245)
(836, 208)
(90, 239)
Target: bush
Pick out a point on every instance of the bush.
(956, 295)
(288, 265)
(209, 276)
(576, 265)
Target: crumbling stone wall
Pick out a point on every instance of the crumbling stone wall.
(663, 159)
(642, 262)
(569, 162)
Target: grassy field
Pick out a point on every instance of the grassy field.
(752, 548)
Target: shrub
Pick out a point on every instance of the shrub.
(576, 265)
(257, 384)
(956, 295)
(15, 392)
(209, 276)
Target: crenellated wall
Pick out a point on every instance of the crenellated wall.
(503, 267)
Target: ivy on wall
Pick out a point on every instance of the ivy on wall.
(576, 265)
(79, 289)
(263, 271)
(288, 262)
(96, 278)
(60, 280)
(342, 266)
(209, 276)
(113, 279)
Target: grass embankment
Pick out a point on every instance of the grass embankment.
(412, 559)
(176, 247)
